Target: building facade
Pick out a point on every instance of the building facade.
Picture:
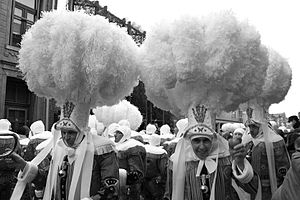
(17, 103)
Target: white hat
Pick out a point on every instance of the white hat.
(239, 130)
(165, 129)
(199, 123)
(4, 125)
(181, 125)
(37, 127)
(150, 129)
(125, 130)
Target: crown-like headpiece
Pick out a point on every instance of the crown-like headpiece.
(250, 120)
(199, 129)
(68, 108)
(66, 122)
(199, 113)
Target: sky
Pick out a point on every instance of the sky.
(276, 20)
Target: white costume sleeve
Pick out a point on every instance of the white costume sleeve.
(244, 176)
(29, 173)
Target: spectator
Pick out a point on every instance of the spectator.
(289, 190)
(294, 133)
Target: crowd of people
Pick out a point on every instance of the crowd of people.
(195, 162)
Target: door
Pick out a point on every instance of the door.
(17, 117)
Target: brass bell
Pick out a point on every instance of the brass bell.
(204, 188)
(62, 173)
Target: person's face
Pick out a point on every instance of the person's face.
(201, 147)
(237, 135)
(293, 122)
(253, 130)
(118, 136)
(69, 136)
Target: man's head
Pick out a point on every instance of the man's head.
(297, 144)
(201, 146)
(253, 126)
(293, 119)
(238, 133)
(201, 137)
(122, 134)
(37, 127)
(253, 130)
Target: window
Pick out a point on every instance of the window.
(24, 14)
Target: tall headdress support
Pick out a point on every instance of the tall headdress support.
(199, 113)
(68, 108)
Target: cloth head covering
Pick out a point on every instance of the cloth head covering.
(4, 125)
(239, 130)
(200, 125)
(110, 131)
(165, 129)
(150, 129)
(37, 127)
(231, 127)
(226, 127)
(154, 140)
(165, 132)
(181, 125)
(125, 130)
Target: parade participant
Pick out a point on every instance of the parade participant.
(7, 171)
(170, 146)
(72, 157)
(293, 134)
(67, 56)
(132, 158)
(181, 125)
(24, 137)
(150, 129)
(165, 133)
(289, 190)
(227, 130)
(38, 135)
(269, 156)
(156, 170)
(137, 136)
(238, 133)
(201, 166)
